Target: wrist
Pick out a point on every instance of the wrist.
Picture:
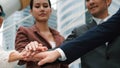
(14, 56)
(62, 54)
(57, 54)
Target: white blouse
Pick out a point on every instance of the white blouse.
(53, 45)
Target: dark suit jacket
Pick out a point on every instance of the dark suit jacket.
(94, 58)
(78, 31)
(104, 56)
(93, 38)
(27, 34)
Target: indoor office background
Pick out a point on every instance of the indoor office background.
(66, 15)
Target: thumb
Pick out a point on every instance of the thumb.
(42, 62)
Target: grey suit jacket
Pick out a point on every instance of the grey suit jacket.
(99, 57)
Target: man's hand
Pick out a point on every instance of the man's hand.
(47, 57)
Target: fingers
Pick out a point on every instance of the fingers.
(42, 62)
(27, 56)
(45, 48)
(35, 46)
(32, 49)
(28, 53)
(43, 58)
(23, 55)
(48, 57)
(32, 46)
(41, 49)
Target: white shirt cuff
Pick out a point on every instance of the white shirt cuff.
(63, 57)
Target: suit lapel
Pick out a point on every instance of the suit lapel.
(91, 24)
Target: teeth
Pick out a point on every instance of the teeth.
(92, 7)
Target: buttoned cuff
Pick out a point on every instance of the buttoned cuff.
(63, 57)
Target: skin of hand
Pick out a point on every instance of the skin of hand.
(30, 54)
(35, 46)
(15, 55)
(32, 46)
(32, 49)
(46, 57)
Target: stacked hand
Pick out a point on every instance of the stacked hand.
(37, 52)
(47, 57)
(32, 49)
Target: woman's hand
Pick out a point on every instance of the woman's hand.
(35, 46)
(15, 55)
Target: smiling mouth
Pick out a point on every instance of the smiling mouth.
(92, 7)
(42, 15)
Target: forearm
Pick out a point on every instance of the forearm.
(13, 56)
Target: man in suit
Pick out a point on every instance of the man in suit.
(78, 47)
(99, 11)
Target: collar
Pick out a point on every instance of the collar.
(53, 31)
(99, 21)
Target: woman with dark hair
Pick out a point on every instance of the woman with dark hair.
(39, 33)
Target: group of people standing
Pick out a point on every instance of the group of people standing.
(33, 44)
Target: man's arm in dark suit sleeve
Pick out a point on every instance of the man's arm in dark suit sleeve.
(92, 38)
